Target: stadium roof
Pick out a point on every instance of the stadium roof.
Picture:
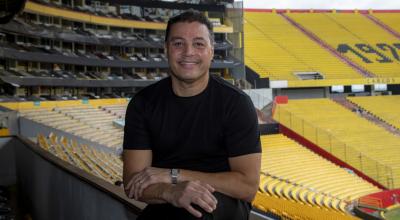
(318, 4)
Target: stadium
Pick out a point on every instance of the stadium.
(325, 84)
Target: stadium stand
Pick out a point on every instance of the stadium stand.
(342, 133)
(276, 208)
(389, 20)
(84, 51)
(94, 124)
(384, 107)
(106, 166)
(72, 49)
(337, 47)
(274, 48)
(295, 173)
(372, 48)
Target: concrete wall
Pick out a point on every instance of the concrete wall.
(8, 174)
(9, 119)
(56, 193)
(303, 93)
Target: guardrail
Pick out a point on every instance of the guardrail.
(328, 142)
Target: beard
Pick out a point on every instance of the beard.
(186, 80)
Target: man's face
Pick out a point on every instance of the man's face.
(189, 51)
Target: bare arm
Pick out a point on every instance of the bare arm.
(241, 182)
(134, 162)
(182, 195)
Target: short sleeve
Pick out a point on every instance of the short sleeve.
(241, 132)
(136, 134)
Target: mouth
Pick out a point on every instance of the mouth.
(187, 62)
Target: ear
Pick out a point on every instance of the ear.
(165, 49)
(212, 51)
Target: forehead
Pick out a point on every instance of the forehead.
(189, 30)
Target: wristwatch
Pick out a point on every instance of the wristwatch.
(174, 173)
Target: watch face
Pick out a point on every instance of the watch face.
(174, 176)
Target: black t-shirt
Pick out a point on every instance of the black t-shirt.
(196, 133)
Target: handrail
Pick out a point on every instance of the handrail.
(327, 141)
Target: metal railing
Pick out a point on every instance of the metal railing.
(384, 174)
(259, 100)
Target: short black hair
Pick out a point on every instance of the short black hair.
(190, 16)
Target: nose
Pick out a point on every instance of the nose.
(189, 50)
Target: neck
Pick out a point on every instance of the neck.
(186, 89)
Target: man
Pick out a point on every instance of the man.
(191, 142)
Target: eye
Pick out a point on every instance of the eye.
(199, 45)
(177, 44)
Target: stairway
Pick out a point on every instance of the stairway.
(382, 25)
(323, 44)
(365, 114)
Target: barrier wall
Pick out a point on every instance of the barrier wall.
(57, 190)
(7, 162)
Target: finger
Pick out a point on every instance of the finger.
(201, 192)
(126, 189)
(141, 187)
(193, 211)
(131, 192)
(139, 179)
(137, 187)
(204, 190)
(209, 187)
(133, 181)
(211, 200)
(130, 188)
(129, 185)
(214, 199)
(138, 190)
(206, 206)
(144, 184)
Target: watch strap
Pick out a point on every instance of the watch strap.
(174, 173)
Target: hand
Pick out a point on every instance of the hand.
(185, 193)
(145, 178)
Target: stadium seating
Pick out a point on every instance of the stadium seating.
(386, 108)
(341, 132)
(274, 48)
(118, 110)
(293, 172)
(106, 166)
(96, 49)
(356, 37)
(390, 19)
(53, 46)
(278, 208)
(88, 122)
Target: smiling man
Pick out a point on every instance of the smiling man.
(191, 141)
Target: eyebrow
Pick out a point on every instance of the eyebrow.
(176, 38)
(181, 38)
